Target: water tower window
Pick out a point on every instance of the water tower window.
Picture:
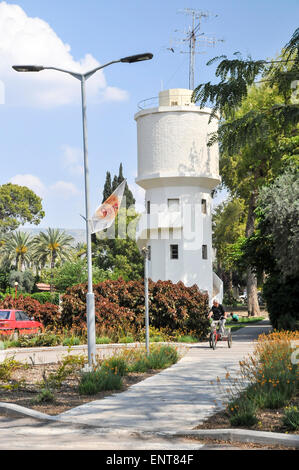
(149, 251)
(173, 205)
(174, 251)
(204, 251)
(148, 207)
(204, 206)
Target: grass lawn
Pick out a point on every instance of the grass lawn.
(243, 321)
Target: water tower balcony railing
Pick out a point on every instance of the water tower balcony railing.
(179, 100)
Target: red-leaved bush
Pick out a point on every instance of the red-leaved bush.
(119, 305)
(48, 314)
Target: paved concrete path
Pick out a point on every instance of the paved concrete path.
(176, 399)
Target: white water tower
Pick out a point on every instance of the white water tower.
(178, 172)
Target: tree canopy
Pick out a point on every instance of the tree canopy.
(258, 127)
(18, 205)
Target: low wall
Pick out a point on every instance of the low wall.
(52, 355)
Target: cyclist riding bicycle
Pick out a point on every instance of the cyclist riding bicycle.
(217, 313)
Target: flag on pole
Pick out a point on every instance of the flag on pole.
(105, 214)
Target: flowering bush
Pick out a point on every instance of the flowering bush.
(267, 379)
(48, 314)
(119, 306)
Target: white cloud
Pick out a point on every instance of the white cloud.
(64, 189)
(72, 160)
(31, 181)
(25, 40)
(115, 94)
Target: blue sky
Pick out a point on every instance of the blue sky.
(41, 131)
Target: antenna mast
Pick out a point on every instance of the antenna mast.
(192, 35)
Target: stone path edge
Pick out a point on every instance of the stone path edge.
(232, 435)
(237, 435)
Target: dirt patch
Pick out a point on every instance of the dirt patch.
(25, 385)
(240, 445)
(268, 420)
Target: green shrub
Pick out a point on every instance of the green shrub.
(140, 365)
(187, 339)
(156, 339)
(267, 379)
(126, 339)
(46, 297)
(291, 418)
(7, 367)
(162, 356)
(94, 382)
(71, 341)
(116, 365)
(103, 340)
(69, 365)
(242, 412)
(281, 296)
(45, 396)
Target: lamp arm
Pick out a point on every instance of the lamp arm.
(87, 75)
(79, 76)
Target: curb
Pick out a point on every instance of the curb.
(231, 435)
(16, 411)
(53, 354)
(238, 435)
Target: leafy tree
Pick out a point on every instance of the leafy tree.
(274, 248)
(254, 123)
(279, 204)
(116, 254)
(18, 205)
(25, 280)
(228, 228)
(80, 250)
(71, 273)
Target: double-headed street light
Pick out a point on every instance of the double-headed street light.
(90, 305)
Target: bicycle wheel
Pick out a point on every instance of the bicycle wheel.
(213, 340)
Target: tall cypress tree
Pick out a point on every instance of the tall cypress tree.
(130, 200)
(114, 184)
(107, 186)
(120, 174)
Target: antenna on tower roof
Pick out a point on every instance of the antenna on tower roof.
(192, 35)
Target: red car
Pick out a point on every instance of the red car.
(17, 321)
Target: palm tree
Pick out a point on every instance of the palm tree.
(17, 247)
(80, 250)
(51, 246)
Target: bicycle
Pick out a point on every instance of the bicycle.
(216, 336)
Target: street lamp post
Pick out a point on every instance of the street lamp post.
(90, 304)
(16, 289)
(145, 252)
